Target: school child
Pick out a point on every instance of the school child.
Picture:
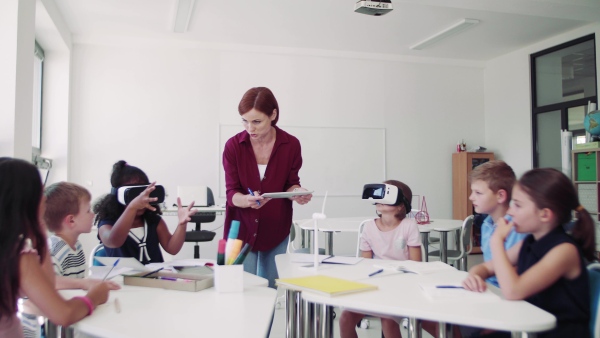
(390, 236)
(136, 229)
(24, 260)
(551, 261)
(491, 188)
(68, 214)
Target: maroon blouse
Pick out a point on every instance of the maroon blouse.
(268, 226)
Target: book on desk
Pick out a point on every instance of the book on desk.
(325, 285)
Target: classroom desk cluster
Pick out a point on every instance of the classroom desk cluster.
(400, 295)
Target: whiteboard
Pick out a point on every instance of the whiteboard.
(337, 160)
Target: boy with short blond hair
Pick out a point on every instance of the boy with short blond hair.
(491, 190)
(68, 214)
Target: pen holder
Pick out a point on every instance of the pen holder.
(229, 278)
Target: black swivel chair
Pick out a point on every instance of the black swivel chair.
(198, 235)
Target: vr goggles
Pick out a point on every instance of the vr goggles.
(388, 194)
(126, 194)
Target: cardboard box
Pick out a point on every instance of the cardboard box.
(586, 166)
(182, 282)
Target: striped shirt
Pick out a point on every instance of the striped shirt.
(66, 261)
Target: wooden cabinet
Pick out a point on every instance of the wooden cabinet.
(462, 165)
(586, 178)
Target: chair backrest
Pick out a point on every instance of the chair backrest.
(594, 275)
(97, 251)
(205, 217)
(361, 227)
(466, 236)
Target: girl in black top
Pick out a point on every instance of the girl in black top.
(550, 262)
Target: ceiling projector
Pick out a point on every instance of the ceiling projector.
(375, 8)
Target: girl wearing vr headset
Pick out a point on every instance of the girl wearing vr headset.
(136, 229)
(24, 257)
(390, 236)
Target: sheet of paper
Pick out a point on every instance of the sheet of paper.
(438, 291)
(420, 268)
(98, 272)
(342, 260)
(124, 262)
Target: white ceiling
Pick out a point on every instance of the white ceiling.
(506, 25)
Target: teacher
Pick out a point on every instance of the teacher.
(261, 159)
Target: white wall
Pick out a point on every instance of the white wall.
(160, 109)
(508, 100)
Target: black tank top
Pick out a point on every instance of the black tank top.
(567, 300)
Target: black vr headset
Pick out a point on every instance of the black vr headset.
(126, 194)
(388, 194)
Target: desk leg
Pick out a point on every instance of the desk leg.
(444, 246)
(327, 321)
(414, 328)
(425, 243)
(329, 246)
(52, 330)
(523, 335)
(445, 330)
(68, 332)
(293, 314)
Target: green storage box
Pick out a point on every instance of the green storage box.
(586, 166)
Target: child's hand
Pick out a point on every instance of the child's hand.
(184, 213)
(143, 200)
(88, 283)
(474, 283)
(502, 230)
(99, 293)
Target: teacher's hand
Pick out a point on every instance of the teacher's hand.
(302, 199)
(256, 201)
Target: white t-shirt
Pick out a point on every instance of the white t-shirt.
(390, 244)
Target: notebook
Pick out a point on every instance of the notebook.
(325, 285)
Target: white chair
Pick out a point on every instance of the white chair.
(97, 249)
(291, 248)
(459, 257)
(594, 275)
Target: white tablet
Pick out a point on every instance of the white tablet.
(285, 194)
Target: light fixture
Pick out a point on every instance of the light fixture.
(454, 29)
(183, 14)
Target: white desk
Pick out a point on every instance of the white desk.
(199, 210)
(443, 226)
(350, 224)
(151, 312)
(399, 295)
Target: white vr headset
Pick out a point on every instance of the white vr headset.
(381, 193)
(126, 194)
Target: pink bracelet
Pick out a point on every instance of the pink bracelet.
(87, 302)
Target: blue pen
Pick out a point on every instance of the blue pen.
(111, 269)
(448, 287)
(252, 193)
(376, 272)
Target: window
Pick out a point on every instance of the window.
(38, 74)
(563, 82)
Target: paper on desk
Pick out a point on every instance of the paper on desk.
(420, 268)
(325, 259)
(98, 272)
(454, 291)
